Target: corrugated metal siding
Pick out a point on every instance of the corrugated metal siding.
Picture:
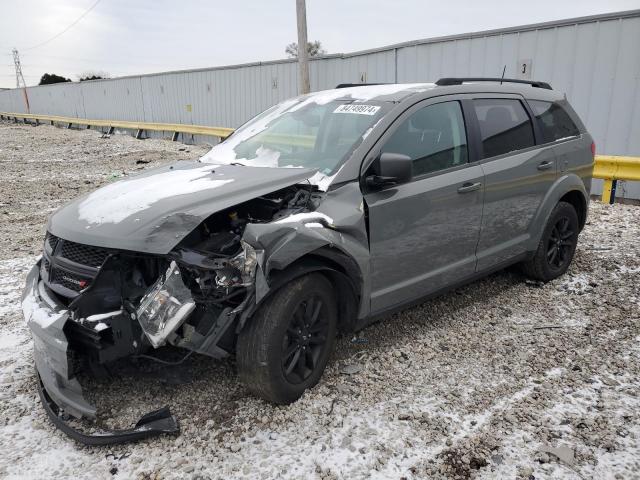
(594, 60)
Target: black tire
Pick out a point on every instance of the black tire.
(283, 349)
(557, 245)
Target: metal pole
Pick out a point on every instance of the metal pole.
(614, 186)
(303, 54)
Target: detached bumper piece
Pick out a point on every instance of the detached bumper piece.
(153, 423)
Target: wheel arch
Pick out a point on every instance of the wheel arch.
(579, 203)
(568, 188)
(341, 270)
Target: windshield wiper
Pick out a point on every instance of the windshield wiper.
(238, 164)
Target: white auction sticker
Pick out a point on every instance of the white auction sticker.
(357, 108)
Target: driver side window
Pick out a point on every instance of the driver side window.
(434, 137)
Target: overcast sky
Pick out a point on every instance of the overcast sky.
(126, 37)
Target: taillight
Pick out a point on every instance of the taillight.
(593, 149)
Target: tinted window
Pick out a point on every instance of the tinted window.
(504, 126)
(554, 121)
(434, 137)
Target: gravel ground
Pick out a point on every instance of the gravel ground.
(504, 378)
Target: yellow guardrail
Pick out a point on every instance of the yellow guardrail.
(611, 169)
(112, 124)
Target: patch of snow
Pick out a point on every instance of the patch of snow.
(578, 284)
(359, 94)
(100, 326)
(10, 340)
(11, 283)
(225, 152)
(102, 316)
(117, 201)
(313, 217)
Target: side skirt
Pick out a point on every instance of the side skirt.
(379, 315)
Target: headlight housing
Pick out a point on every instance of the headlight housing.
(165, 306)
(245, 262)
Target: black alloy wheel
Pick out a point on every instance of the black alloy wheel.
(560, 243)
(557, 244)
(305, 339)
(286, 344)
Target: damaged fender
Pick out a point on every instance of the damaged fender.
(339, 223)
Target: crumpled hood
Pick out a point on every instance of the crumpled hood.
(152, 212)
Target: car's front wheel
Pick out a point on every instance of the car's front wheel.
(557, 245)
(285, 346)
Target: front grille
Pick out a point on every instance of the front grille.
(69, 267)
(52, 241)
(69, 280)
(83, 254)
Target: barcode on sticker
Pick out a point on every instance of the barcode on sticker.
(357, 109)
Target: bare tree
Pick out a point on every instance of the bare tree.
(93, 75)
(314, 49)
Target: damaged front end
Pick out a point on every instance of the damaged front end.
(89, 306)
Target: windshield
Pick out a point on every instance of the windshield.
(306, 132)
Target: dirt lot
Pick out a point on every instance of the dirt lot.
(504, 378)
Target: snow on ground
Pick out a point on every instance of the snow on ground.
(503, 378)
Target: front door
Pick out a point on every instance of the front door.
(423, 234)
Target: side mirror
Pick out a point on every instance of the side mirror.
(393, 169)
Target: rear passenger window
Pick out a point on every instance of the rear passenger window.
(553, 120)
(434, 137)
(504, 126)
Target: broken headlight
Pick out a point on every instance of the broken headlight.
(245, 262)
(165, 306)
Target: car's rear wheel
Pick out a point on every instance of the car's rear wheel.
(285, 346)
(557, 245)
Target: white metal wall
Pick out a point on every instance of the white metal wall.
(595, 60)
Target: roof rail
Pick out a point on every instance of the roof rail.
(348, 85)
(461, 80)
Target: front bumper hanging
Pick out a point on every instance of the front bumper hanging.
(153, 423)
(60, 393)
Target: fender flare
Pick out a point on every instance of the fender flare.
(348, 297)
(563, 185)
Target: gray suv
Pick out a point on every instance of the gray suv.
(320, 215)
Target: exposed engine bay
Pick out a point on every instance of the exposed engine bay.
(104, 304)
(122, 303)
(176, 261)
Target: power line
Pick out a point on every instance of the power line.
(100, 61)
(19, 77)
(86, 12)
(14, 75)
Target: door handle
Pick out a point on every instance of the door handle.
(546, 165)
(469, 187)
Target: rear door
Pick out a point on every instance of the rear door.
(423, 234)
(517, 174)
(573, 155)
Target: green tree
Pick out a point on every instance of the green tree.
(49, 78)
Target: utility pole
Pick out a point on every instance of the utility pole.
(20, 83)
(303, 54)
